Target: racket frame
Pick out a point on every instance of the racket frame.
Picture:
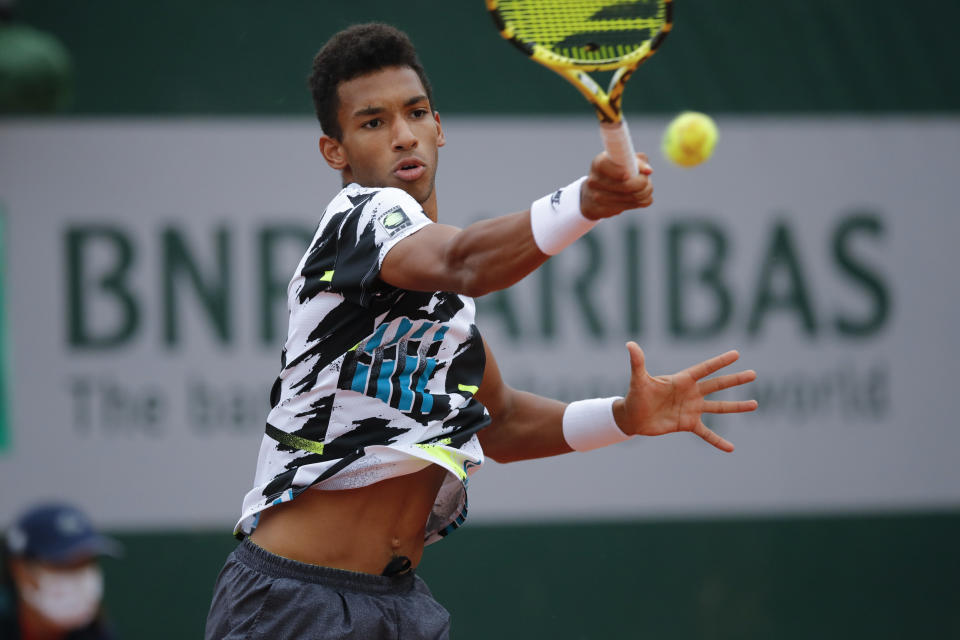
(607, 103)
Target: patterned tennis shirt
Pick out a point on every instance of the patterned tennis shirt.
(376, 381)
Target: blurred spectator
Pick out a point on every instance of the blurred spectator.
(52, 582)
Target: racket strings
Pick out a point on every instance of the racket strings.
(585, 30)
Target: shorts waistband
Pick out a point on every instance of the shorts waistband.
(259, 559)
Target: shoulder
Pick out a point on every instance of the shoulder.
(355, 196)
(387, 211)
(374, 203)
(380, 200)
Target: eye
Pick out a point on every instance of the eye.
(419, 113)
(372, 124)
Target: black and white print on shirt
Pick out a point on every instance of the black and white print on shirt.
(375, 381)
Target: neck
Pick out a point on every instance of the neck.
(430, 205)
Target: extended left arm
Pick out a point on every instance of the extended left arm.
(526, 426)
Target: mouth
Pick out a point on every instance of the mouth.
(410, 169)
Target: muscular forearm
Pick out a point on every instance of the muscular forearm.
(493, 254)
(489, 255)
(527, 426)
(486, 256)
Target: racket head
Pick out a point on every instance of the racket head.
(587, 35)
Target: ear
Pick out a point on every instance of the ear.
(441, 140)
(334, 153)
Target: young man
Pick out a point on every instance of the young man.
(388, 397)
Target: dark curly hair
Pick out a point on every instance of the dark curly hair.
(353, 52)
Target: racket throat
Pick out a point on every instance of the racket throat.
(606, 104)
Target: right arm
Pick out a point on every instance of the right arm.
(494, 254)
(486, 256)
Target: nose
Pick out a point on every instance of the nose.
(403, 137)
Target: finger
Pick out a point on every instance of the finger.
(725, 382)
(715, 363)
(643, 164)
(637, 361)
(617, 183)
(611, 205)
(646, 196)
(729, 406)
(643, 194)
(720, 443)
(622, 200)
(601, 195)
(605, 165)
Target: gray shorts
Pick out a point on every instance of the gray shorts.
(260, 595)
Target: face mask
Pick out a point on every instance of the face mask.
(68, 598)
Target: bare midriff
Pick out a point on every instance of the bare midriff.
(354, 529)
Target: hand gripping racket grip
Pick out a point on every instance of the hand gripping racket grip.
(616, 140)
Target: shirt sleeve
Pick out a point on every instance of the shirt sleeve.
(396, 216)
(365, 236)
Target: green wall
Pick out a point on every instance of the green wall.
(838, 577)
(754, 56)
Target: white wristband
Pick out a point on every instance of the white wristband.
(556, 219)
(589, 424)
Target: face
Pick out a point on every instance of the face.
(59, 596)
(390, 135)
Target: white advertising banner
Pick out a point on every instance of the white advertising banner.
(145, 266)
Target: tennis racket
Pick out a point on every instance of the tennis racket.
(573, 37)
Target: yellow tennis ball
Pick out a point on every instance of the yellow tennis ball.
(690, 138)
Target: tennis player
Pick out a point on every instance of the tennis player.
(388, 398)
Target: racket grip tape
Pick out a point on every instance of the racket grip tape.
(617, 142)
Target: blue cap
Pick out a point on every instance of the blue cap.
(58, 533)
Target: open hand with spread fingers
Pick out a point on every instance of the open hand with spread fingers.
(655, 405)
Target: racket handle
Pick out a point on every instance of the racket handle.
(616, 140)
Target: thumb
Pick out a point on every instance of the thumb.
(636, 358)
(643, 164)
